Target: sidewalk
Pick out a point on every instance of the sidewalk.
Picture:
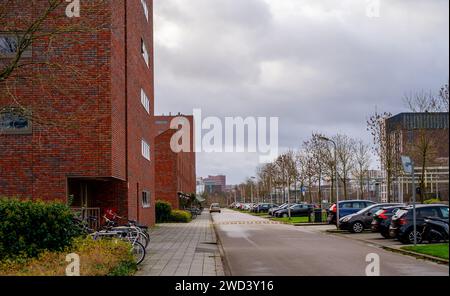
(183, 250)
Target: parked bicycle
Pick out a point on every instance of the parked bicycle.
(136, 236)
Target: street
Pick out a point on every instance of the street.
(254, 246)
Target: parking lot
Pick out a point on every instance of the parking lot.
(255, 246)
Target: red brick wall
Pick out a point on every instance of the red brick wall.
(174, 172)
(97, 121)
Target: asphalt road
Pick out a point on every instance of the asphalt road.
(254, 248)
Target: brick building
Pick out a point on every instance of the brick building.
(215, 183)
(88, 137)
(409, 132)
(174, 172)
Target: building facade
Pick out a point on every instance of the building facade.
(416, 135)
(86, 140)
(175, 171)
(215, 184)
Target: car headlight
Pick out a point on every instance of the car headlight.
(345, 219)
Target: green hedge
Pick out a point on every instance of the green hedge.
(432, 201)
(178, 216)
(28, 228)
(163, 211)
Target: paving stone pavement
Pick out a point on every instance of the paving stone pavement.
(183, 250)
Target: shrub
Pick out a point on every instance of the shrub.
(163, 211)
(178, 216)
(97, 258)
(28, 228)
(431, 201)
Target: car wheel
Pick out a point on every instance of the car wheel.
(385, 234)
(357, 227)
(285, 215)
(410, 237)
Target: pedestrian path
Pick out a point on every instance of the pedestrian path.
(183, 250)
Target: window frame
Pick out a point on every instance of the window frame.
(144, 52)
(144, 147)
(26, 54)
(145, 8)
(145, 101)
(145, 194)
(24, 131)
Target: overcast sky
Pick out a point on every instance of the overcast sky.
(318, 65)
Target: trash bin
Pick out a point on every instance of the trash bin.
(318, 216)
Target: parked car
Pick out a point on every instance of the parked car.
(402, 226)
(247, 207)
(274, 209)
(435, 230)
(215, 208)
(263, 207)
(347, 207)
(362, 219)
(382, 219)
(297, 210)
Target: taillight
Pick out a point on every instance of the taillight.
(333, 208)
(382, 215)
(402, 221)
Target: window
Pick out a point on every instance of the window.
(146, 199)
(145, 150)
(12, 121)
(9, 45)
(145, 101)
(428, 212)
(144, 5)
(444, 212)
(144, 52)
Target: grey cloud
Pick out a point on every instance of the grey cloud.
(317, 73)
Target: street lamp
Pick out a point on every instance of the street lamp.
(337, 177)
(251, 186)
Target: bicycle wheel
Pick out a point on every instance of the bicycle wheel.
(138, 251)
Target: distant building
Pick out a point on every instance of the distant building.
(175, 173)
(406, 131)
(215, 183)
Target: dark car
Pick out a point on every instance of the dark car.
(382, 219)
(402, 222)
(275, 209)
(263, 207)
(346, 208)
(297, 210)
(361, 220)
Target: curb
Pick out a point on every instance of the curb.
(417, 255)
(226, 267)
(395, 250)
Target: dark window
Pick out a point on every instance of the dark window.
(146, 199)
(428, 212)
(8, 45)
(13, 122)
(444, 212)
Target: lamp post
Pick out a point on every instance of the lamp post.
(337, 177)
(251, 187)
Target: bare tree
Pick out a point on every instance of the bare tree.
(56, 37)
(443, 98)
(362, 164)
(384, 147)
(346, 161)
(421, 102)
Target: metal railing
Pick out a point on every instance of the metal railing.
(85, 213)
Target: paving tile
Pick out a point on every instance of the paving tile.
(179, 250)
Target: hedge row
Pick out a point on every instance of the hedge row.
(165, 214)
(28, 228)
